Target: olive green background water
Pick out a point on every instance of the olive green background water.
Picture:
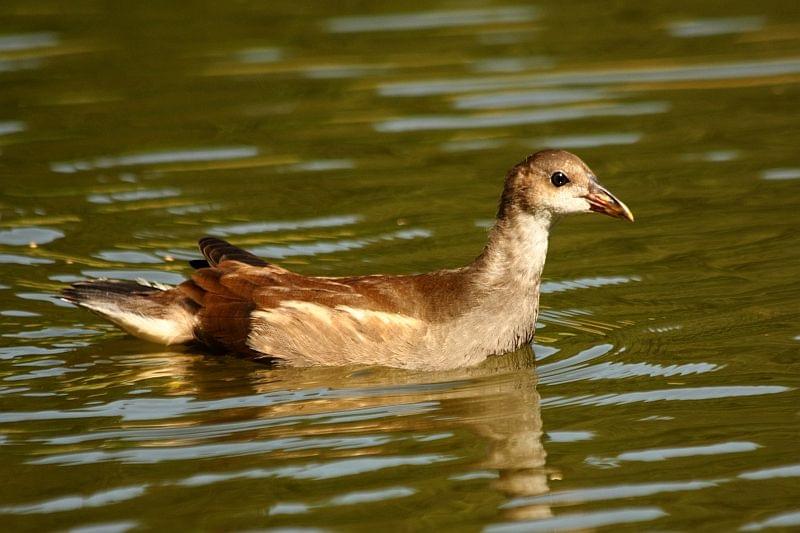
(359, 137)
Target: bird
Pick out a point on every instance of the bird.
(238, 303)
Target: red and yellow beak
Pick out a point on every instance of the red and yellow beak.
(602, 201)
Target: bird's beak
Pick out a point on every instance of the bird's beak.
(602, 201)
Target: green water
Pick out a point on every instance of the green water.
(358, 138)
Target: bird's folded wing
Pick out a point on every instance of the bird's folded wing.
(304, 320)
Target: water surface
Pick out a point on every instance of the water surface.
(370, 138)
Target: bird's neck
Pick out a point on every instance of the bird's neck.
(503, 297)
(514, 256)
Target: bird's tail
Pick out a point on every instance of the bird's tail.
(152, 312)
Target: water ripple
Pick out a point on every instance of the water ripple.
(568, 142)
(614, 492)
(52, 332)
(133, 409)
(772, 473)
(218, 430)
(470, 145)
(155, 158)
(72, 503)
(341, 245)
(17, 313)
(592, 140)
(789, 520)
(27, 41)
(430, 19)
(259, 55)
(540, 116)
(529, 98)
(569, 436)
(144, 455)
(158, 276)
(682, 394)
(134, 196)
(709, 71)
(11, 352)
(548, 287)
(128, 256)
(120, 526)
(11, 126)
(512, 64)
(663, 454)
(26, 236)
(283, 225)
(715, 26)
(582, 521)
(320, 471)
(322, 165)
(352, 498)
(617, 370)
(23, 260)
(781, 174)
(366, 496)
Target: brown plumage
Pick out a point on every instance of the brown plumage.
(240, 303)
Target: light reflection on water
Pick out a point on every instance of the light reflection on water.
(181, 156)
(11, 126)
(269, 227)
(780, 520)
(25, 41)
(371, 140)
(523, 98)
(720, 26)
(496, 120)
(704, 72)
(431, 19)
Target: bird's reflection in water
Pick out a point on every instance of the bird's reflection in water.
(496, 401)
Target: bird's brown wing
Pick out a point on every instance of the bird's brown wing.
(224, 308)
(250, 306)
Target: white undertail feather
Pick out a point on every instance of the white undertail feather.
(152, 311)
(176, 328)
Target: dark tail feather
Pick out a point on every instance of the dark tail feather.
(152, 312)
(197, 264)
(100, 289)
(216, 251)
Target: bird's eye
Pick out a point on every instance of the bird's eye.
(559, 178)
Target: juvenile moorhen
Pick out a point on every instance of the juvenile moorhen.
(240, 303)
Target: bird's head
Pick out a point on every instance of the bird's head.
(556, 183)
